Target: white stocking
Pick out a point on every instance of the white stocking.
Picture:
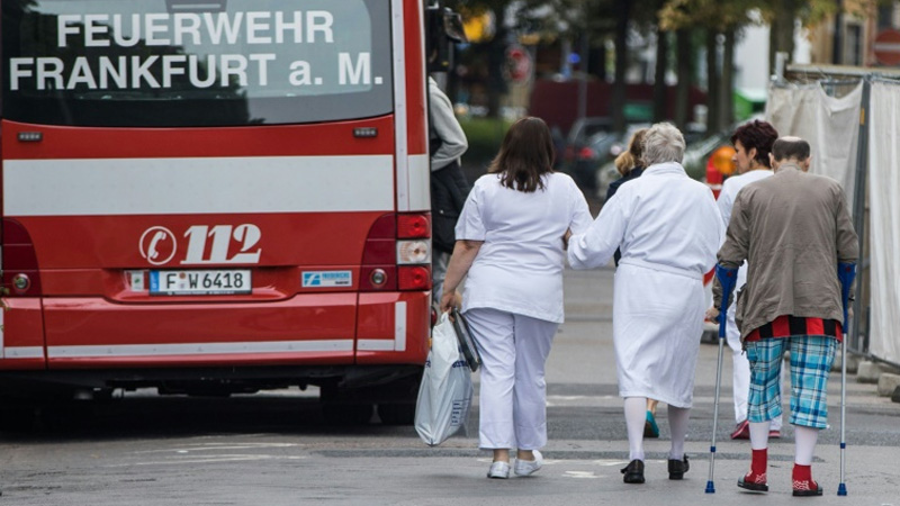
(759, 435)
(635, 417)
(678, 422)
(805, 444)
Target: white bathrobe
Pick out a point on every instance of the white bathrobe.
(669, 230)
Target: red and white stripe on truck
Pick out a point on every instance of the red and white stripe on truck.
(329, 220)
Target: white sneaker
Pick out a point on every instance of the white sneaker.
(528, 467)
(499, 470)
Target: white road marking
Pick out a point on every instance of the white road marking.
(220, 446)
(580, 474)
(212, 460)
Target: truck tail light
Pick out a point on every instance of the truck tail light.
(413, 252)
(19, 261)
(411, 226)
(397, 254)
(414, 277)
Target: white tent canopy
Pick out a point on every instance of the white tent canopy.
(831, 125)
(884, 202)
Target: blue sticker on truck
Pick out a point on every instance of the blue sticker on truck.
(326, 279)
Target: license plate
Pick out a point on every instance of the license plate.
(211, 282)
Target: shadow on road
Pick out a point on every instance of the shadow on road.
(167, 416)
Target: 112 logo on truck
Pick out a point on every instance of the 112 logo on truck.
(158, 244)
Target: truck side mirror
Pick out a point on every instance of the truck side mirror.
(443, 26)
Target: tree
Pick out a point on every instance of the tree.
(493, 48)
(718, 18)
(590, 20)
(623, 18)
(660, 101)
(782, 15)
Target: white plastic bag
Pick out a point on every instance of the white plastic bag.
(445, 393)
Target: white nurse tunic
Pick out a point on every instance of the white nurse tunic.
(519, 266)
(513, 297)
(740, 365)
(669, 229)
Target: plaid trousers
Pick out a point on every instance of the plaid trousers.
(811, 359)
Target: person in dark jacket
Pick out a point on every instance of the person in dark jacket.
(629, 165)
(449, 187)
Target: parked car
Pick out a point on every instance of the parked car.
(693, 133)
(702, 151)
(584, 128)
(587, 146)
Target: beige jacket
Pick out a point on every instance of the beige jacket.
(792, 228)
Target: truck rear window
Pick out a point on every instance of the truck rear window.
(171, 63)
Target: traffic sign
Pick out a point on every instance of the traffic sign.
(887, 47)
(518, 65)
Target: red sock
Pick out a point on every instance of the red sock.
(760, 461)
(802, 473)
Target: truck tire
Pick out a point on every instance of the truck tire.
(397, 413)
(347, 413)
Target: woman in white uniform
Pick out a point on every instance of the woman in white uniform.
(752, 144)
(668, 228)
(510, 247)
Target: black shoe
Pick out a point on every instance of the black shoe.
(634, 472)
(677, 468)
(747, 483)
(806, 488)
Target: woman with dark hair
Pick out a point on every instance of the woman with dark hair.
(509, 247)
(752, 144)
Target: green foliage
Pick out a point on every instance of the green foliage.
(723, 14)
(717, 14)
(485, 136)
(549, 18)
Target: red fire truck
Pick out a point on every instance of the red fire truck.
(216, 197)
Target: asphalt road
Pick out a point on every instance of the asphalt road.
(276, 449)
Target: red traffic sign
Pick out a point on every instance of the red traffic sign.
(518, 64)
(887, 47)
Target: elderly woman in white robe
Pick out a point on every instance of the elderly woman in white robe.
(668, 228)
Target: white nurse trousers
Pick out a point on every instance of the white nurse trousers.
(513, 393)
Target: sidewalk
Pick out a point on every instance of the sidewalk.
(588, 473)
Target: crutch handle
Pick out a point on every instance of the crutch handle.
(727, 277)
(846, 274)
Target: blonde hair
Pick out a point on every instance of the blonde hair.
(631, 157)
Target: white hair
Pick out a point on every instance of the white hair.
(663, 143)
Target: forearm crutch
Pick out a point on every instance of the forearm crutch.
(728, 279)
(846, 273)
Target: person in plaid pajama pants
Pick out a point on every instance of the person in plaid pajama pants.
(792, 228)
